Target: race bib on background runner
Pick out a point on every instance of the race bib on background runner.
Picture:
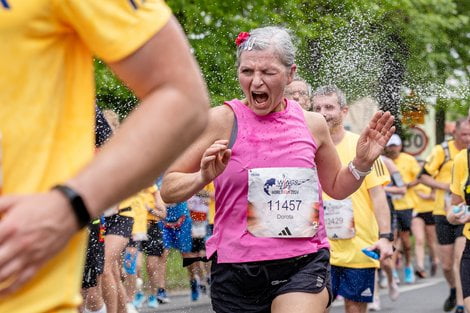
(339, 219)
(283, 202)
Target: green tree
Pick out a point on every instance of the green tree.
(363, 46)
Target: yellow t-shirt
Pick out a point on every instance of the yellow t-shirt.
(347, 252)
(422, 205)
(409, 170)
(434, 161)
(459, 180)
(211, 189)
(139, 228)
(149, 200)
(47, 110)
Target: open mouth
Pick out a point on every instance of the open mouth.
(260, 97)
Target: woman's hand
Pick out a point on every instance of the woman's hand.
(215, 160)
(373, 140)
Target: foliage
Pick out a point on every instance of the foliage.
(363, 46)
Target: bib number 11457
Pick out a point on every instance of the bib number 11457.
(287, 205)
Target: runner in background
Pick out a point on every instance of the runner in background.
(423, 228)
(94, 262)
(360, 221)
(409, 170)
(300, 91)
(153, 249)
(198, 206)
(436, 174)
(132, 255)
(459, 214)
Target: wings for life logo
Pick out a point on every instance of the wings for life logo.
(284, 186)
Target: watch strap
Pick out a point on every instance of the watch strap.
(76, 202)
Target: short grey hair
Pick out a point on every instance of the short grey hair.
(270, 36)
(331, 90)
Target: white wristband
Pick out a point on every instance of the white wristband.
(357, 173)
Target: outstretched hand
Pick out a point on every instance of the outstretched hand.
(215, 160)
(373, 140)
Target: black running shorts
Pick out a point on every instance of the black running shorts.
(119, 225)
(94, 262)
(252, 287)
(153, 246)
(446, 232)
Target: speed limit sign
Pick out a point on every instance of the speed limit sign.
(416, 142)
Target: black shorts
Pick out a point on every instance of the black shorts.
(199, 244)
(119, 225)
(94, 262)
(153, 246)
(135, 244)
(252, 287)
(427, 217)
(404, 218)
(446, 232)
(465, 270)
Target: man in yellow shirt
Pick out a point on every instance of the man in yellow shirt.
(46, 124)
(460, 214)
(409, 170)
(354, 223)
(436, 173)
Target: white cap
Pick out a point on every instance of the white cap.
(394, 141)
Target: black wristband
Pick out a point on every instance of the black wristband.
(77, 204)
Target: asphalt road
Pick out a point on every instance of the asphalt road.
(425, 296)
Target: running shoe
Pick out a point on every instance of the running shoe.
(162, 297)
(139, 299)
(409, 275)
(131, 308)
(419, 272)
(450, 303)
(194, 290)
(460, 309)
(393, 292)
(152, 302)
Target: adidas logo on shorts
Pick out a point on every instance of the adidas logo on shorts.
(366, 293)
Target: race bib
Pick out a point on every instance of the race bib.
(339, 219)
(199, 229)
(283, 202)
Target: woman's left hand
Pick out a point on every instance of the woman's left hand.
(373, 140)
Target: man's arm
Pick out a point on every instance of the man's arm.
(382, 215)
(172, 113)
(431, 182)
(170, 117)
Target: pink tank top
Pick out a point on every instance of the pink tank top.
(280, 139)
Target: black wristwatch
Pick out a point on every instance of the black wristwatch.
(388, 236)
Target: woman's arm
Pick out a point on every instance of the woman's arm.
(203, 161)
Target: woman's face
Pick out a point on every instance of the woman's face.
(263, 78)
